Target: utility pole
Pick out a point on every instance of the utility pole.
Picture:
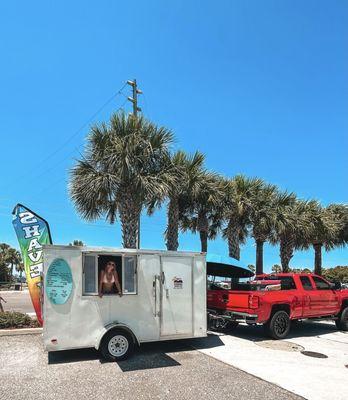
(134, 101)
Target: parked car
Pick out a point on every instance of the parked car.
(274, 300)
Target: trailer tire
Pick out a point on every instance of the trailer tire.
(342, 321)
(117, 345)
(278, 326)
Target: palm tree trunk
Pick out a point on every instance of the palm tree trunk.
(233, 242)
(129, 215)
(204, 241)
(286, 252)
(259, 257)
(317, 258)
(203, 227)
(172, 232)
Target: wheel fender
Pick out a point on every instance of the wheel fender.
(113, 325)
(280, 307)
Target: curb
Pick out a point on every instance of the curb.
(22, 331)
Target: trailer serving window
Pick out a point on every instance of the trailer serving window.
(90, 274)
(123, 267)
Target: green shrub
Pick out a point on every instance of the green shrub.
(12, 319)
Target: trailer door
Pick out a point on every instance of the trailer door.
(176, 296)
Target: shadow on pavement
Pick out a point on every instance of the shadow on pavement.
(147, 356)
(298, 329)
(207, 342)
(71, 356)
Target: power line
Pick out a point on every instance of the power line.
(66, 157)
(76, 133)
(89, 120)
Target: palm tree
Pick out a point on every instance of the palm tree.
(76, 242)
(201, 209)
(237, 203)
(277, 268)
(13, 258)
(9, 256)
(125, 166)
(188, 170)
(340, 213)
(262, 218)
(292, 225)
(326, 227)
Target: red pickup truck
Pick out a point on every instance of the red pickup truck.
(277, 299)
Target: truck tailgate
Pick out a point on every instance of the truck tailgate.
(228, 299)
(238, 299)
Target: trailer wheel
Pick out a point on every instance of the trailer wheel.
(117, 345)
(278, 325)
(342, 321)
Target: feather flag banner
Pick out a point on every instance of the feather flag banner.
(32, 232)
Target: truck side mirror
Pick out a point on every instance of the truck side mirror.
(336, 285)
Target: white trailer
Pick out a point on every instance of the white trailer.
(163, 298)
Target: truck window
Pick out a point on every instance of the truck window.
(287, 283)
(306, 283)
(320, 283)
(274, 282)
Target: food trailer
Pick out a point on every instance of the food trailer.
(162, 297)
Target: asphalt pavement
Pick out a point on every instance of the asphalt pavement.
(17, 301)
(246, 348)
(167, 370)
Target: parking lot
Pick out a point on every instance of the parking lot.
(171, 370)
(223, 365)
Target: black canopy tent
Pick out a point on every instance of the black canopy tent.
(223, 267)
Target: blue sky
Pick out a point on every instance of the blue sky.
(261, 87)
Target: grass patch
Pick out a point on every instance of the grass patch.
(13, 319)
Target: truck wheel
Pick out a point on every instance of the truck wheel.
(117, 345)
(278, 325)
(342, 321)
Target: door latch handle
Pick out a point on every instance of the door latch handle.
(154, 285)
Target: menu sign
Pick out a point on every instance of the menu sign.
(58, 281)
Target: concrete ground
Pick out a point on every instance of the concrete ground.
(282, 363)
(167, 370)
